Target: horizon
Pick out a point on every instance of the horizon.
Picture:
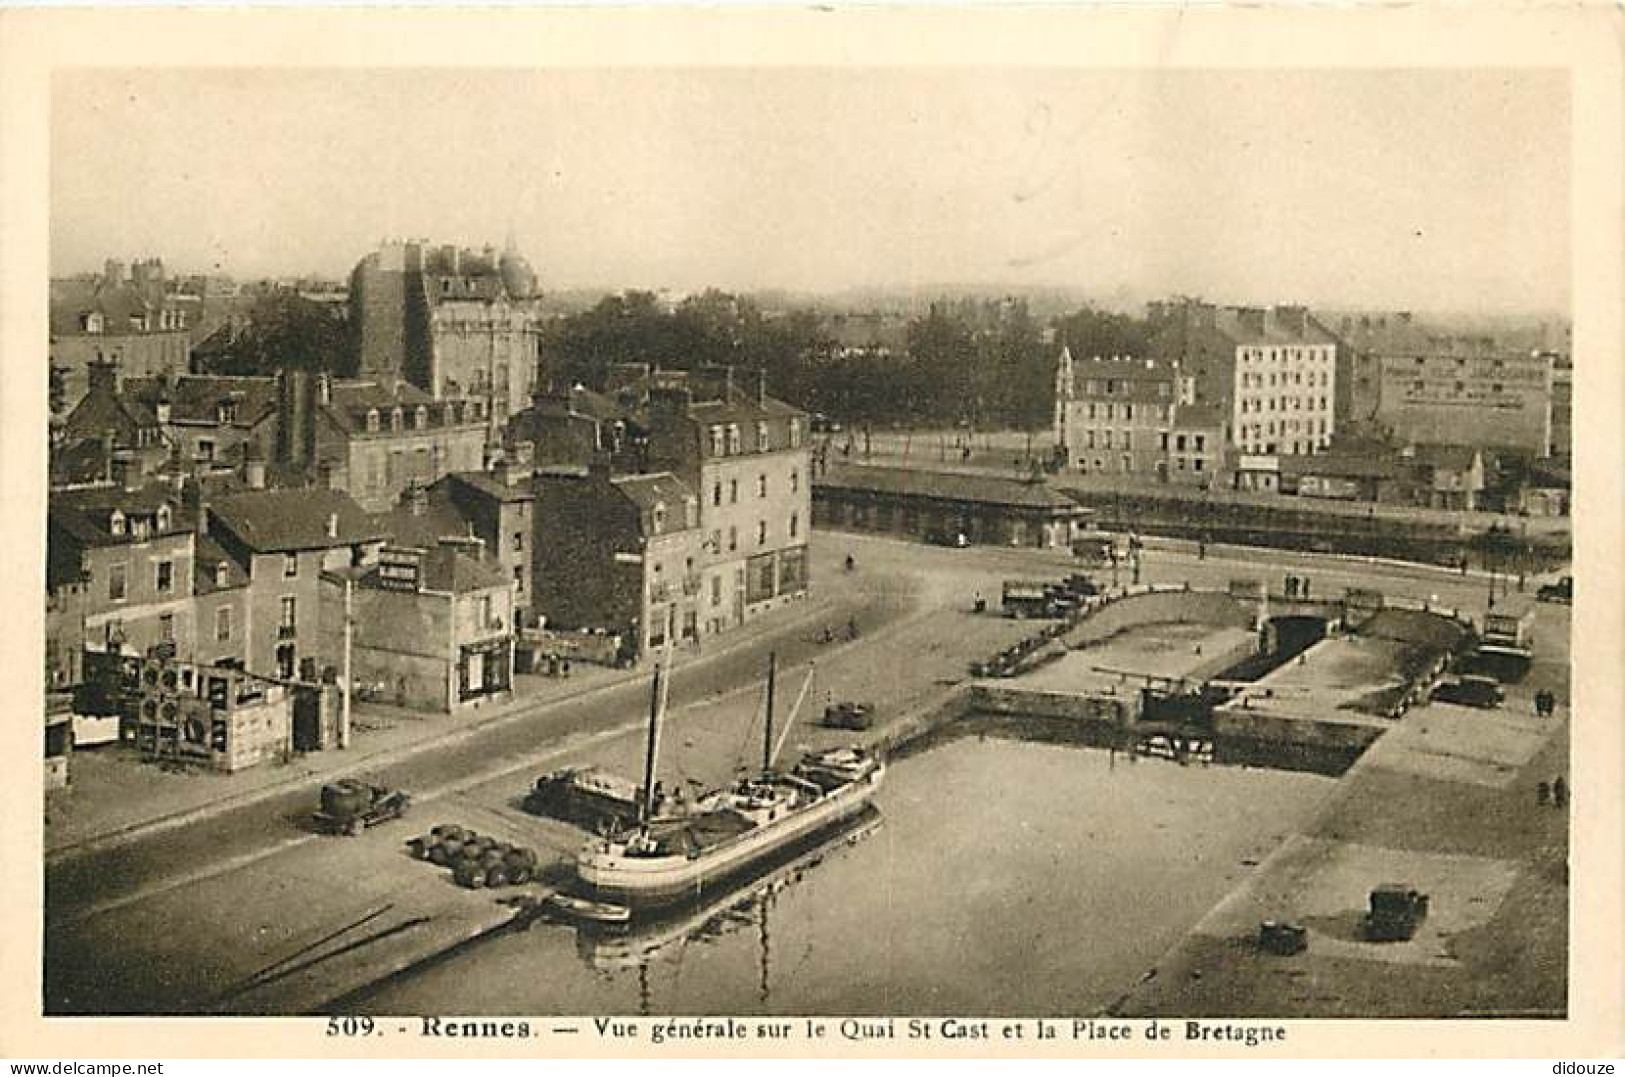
(1346, 189)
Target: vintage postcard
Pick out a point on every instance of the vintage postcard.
(698, 532)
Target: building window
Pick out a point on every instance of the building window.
(733, 439)
(761, 486)
(733, 538)
(1200, 440)
(222, 624)
(795, 524)
(117, 584)
(372, 420)
(166, 577)
(395, 420)
(659, 518)
(166, 627)
(221, 575)
(716, 494)
(761, 533)
(716, 441)
(795, 433)
(115, 523)
(733, 491)
(716, 590)
(715, 545)
(205, 450)
(518, 542)
(795, 482)
(290, 565)
(420, 418)
(519, 577)
(762, 443)
(1128, 411)
(285, 627)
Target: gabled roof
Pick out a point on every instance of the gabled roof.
(945, 486)
(198, 398)
(660, 488)
(423, 530)
(209, 554)
(454, 572)
(87, 514)
(489, 485)
(102, 410)
(1447, 457)
(269, 521)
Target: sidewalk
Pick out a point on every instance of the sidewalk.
(115, 795)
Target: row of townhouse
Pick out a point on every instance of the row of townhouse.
(707, 533)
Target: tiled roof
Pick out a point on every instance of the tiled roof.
(945, 486)
(487, 484)
(449, 570)
(102, 410)
(1273, 331)
(1446, 457)
(267, 521)
(86, 514)
(645, 491)
(197, 398)
(204, 579)
(1194, 416)
(437, 521)
(1341, 466)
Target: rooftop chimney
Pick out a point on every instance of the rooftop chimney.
(103, 376)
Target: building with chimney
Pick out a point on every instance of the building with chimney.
(108, 438)
(453, 322)
(746, 457)
(285, 542)
(119, 574)
(623, 556)
(125, 317)
(1272, 372)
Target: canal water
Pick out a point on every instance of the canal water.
(1001, 875)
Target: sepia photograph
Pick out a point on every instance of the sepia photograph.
(920, 546)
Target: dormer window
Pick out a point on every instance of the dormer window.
(222, 574)
(228, 411)
(372, 420)
(717, 448)
(795, 433)
(733, 438)
(115, 523)
(420, 419)
(163, 517)
(761, 437)
(659, 517)
(92, 322)
(395, 420)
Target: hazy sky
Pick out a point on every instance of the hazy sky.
(1425, 190)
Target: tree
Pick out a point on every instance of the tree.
(287, 330)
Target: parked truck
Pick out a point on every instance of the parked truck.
(349, 806)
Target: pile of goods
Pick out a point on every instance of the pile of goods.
(475, 860)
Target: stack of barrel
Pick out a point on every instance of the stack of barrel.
(476, 860)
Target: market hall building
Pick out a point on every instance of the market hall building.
(988, 510)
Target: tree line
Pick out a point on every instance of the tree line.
(987, 364)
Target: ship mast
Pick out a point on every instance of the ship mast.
(657, 710)
(767, 738)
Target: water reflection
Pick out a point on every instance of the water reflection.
(744, 909)
(1009, 878)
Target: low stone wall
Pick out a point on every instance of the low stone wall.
(1110, 614)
